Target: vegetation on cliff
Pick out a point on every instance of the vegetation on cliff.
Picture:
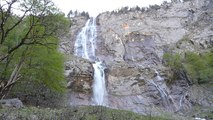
(193, 67)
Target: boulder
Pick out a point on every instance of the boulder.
(11, 103)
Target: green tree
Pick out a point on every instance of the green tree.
(28, 43)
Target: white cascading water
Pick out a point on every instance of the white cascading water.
(167, 99)
(85, 48)
(85, 42)
(99, 89)
(164, 95)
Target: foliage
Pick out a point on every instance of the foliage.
(76, 13)
(172, 60)
(28, 44)
(45, 65)
(196, 67)
(199, 67)
(36, 93)
(154, 7)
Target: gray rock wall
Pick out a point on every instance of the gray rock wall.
(132, 44)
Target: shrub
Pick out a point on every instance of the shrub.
(174, 62)
(193, 67)
(199, 67)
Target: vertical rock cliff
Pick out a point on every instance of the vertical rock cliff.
(132, 44)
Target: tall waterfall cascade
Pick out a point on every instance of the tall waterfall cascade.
(85, 48)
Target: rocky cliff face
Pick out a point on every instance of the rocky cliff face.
(124, 35)
(132, 44)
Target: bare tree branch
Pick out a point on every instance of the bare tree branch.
(4, 16)
(16, 24)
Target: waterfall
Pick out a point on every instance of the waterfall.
(85, 48)
(160, 85)
(85, 42)
(99, 89)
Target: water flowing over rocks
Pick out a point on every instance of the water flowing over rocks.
(132, 45)
(68, 41)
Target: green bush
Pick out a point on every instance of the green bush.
(199, 67)
(34, 93)
(172, 60)
(195, 67)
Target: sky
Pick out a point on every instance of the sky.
(94, 7)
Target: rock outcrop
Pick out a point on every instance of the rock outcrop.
(11, 103)
(132, 44)
(79, 73)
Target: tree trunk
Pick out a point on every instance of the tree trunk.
(14, 77)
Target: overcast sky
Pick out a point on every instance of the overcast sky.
(97, 6)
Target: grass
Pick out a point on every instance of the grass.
(201, 112)
(80, 113)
